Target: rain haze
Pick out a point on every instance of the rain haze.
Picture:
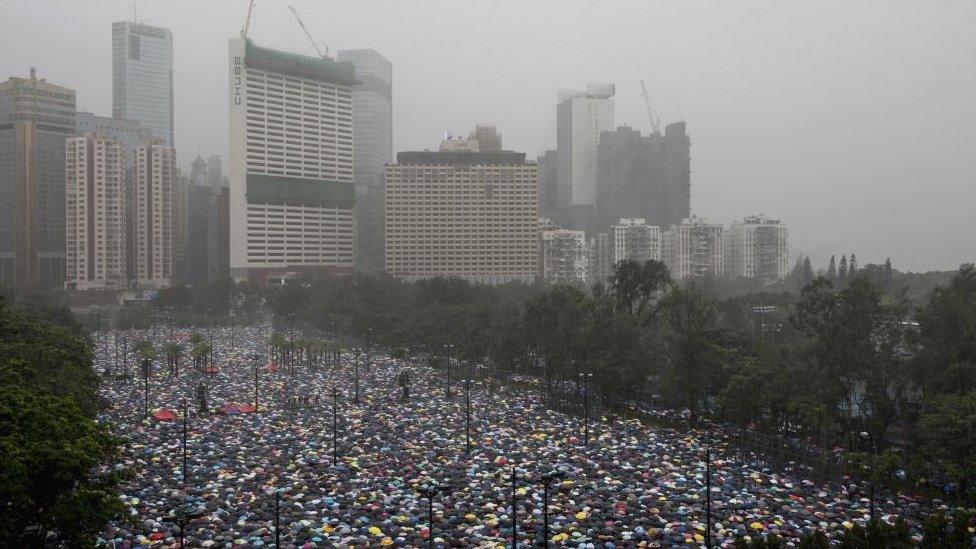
(852, 122)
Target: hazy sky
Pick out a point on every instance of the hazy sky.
(853, 122)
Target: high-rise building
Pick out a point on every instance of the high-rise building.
(636, 176)
(157, 214)
(142, 77)
(564, 255)
(95, 213)
(628, 239)
(35, 119)
(206, 222)
(758, 248)
(473, 215)
(487, 137)
(291, 163)
(372, 115)
(581, 116)
(694, 249)
(547, 184)
(129, 133)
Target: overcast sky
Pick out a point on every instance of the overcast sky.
(853, 122)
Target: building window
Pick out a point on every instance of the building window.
(134, 47)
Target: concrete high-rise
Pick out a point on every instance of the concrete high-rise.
(129, 133)
(155, 198)
(35, 119)
(291, 163)
(628, 239)
(206, 218)
(694, 249)
(142, 77)
(547, 184)
(581, 116)
(473, 215)
(643, 176)
(95, 213)
(564, 255)
(372, 115)
(758, 248)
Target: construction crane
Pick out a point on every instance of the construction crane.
(323, 55)
(655, 122)
(247, 19)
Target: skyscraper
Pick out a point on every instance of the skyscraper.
(206, 221)
(95, 213)
(581, 116)
(564, 256)
(644, 176)
(372, 115)
(469, 214)
(142, 77)
(156, 214)
(547, 184)
(291, 163)
(129, 133)
(35, 119)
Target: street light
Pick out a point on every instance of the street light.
(335, 427)
(467, 414)
(585, 378)
(546, 480)
(257, 362)
(708, 494)
(355, 363)
(185, 416)
(514, 511)
(429, 492)
(761, 310)
(191, 508)
(146, 367)
(277, 502)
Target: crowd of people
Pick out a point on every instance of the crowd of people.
(482, 459)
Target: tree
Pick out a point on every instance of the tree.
(634, 285)
(852, 267)
(832, 270)
(807, 270)
(948, 440)
(842, 270)
(947, 332)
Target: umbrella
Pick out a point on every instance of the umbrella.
(164, 414)
(247, 409)
(211, 370)
(271, 367)
(231, 409)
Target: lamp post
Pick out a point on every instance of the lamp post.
(355, 363)
(146, 367)
(185, 416)
(447, 369)
(585, 378)
(514, 512)
(257, 362)
(335, 427)
(277, 500)
(708, 495)
(467, 414)
(191, 508)
(547, 480)
(429, 492)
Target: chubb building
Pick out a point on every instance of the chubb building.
(291, 163)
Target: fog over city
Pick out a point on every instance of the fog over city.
(852, 122)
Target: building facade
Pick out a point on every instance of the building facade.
(547, 184)
(142, 77)
(372, 114)
(581, 116)
(95, 213)
(635, 240)
(206, 219)
(694, 249)
(155, 204)
(757, 248)
(292, 193)
(473, 215)
(564, 255)
(35, 119)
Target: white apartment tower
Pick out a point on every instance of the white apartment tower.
(758, 248)
(95, 213)
(155, 206)
(564, 255)
(694, 249)
(581, 116)
(291, 163)
(142, 77)
(473, 215)
(634, 239)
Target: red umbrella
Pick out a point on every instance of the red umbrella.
(271, 367)
(231, 409)
(247, 409)
(164, 414)
(211, 370)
